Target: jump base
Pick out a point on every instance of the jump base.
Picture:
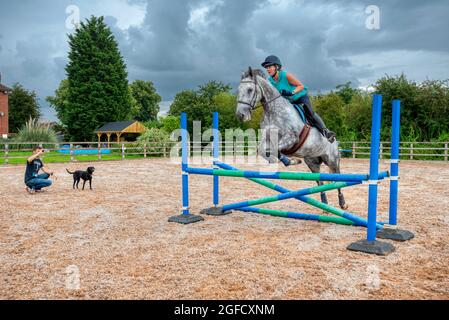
(215, 211)
(372, 247)
(185, 219)
(395, 234)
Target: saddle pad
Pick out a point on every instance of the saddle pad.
(299, 108)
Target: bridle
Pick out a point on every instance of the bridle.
(252, 103)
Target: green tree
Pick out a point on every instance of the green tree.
(346, 92)
(399, 87)
(97, 81)
(23, 105)
(225, 104)
(358, 117)
(331, 108)
(169, 123)
(60, 101)
(198, 104)
(432, 102)
(145, 101)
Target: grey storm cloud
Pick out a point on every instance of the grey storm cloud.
(180, 44)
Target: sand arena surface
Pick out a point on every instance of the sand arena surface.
(115, 242)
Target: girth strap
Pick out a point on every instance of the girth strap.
(302, 139)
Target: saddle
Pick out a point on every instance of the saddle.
(303, 135)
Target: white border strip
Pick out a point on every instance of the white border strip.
(371, 182)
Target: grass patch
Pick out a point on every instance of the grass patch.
(19, 157)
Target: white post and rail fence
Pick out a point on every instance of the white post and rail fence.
(16, 153)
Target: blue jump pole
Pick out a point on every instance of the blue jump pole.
(216, 152)
(185, 217)
(300, 195)
(374, 167)
(336, 177)
(391, 231)
(185, 174)
(394, 162)
(371, 245)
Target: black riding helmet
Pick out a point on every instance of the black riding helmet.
(271, 60)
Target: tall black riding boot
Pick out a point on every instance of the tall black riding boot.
(330, 135)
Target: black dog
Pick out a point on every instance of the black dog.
(85, 175)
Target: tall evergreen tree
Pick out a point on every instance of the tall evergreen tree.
(23, 105)
(97, 81)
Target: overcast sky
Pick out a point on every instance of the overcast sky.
(180, 44)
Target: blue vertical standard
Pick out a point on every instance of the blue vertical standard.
(394, 162)
(374, 167)
(185, 217)
(185, 174)
(216, 155)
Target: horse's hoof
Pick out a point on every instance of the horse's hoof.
(345, 207)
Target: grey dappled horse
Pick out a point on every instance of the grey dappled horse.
(281, 117)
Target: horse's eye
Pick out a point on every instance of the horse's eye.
(250, 90)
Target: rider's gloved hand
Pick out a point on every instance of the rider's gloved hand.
(286, 93)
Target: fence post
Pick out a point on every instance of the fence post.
(123, 151)
(353, 149)
(144, 150)
(6, 153)
(164, 150)
(71, 152)
(381, 150)
(411, 151)
(99, 151)
(445, 151)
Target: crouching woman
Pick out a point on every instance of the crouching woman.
(33, 180)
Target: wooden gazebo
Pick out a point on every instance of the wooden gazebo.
(119, 128)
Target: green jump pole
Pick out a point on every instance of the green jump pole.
(315, 203)
(282, 175)
(296, 215)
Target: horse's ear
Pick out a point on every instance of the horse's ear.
(250, 71)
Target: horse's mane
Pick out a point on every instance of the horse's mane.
(254, 72)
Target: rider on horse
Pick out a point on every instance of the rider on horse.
(295, 92)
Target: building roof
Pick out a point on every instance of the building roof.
(122, 126)
(4, 88)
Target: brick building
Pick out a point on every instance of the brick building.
(4, 129)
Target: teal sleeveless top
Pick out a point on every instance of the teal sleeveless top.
(283, 84)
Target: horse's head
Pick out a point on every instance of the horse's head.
(249, 94)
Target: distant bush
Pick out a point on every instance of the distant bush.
(156, 139)
(170, 123)
(32, 131)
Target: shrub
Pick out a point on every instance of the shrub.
(32, 131)
(155, 139)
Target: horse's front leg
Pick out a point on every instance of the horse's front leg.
(285, 143)
(267, 152)
(314, 165)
